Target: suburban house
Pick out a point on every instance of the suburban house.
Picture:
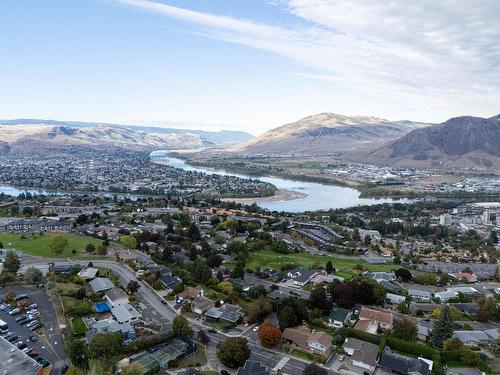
(338, 317)
(316, 342)
(116, 297)
(399, 364)
(423, 333)
(101, 284)
(89, 273)
(253, 368)
(227, 312)
(464, 276)
(64, 267)
(110, 326)
(380, 276)
(394, 299)
(423, 309)
(169, 281)
(419, 295)
(473, 338)
(363, 354)
(371, 320)
(126, 314)
(301, 276)
(38, 225)
(200, 305)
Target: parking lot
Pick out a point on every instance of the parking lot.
(49, 342)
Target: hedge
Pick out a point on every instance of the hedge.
(411, 348)
(447, 356)
(360, 335)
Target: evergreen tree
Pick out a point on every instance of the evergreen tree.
(11, 262)
(329, 267)
(443, 328)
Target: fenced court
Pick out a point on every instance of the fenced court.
(161, 356)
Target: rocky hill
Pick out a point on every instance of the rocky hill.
(327, 133)
(45, 136)
(462, 142)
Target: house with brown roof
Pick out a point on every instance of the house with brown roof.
(317, 342)
(371, 320)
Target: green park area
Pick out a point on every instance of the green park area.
(344, 267)
(38, 244)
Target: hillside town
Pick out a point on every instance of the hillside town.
(176, 284)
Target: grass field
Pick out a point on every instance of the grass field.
(36, 244)
(344, 267)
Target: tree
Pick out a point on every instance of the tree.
(225, 287)
(493, 237)
(77, 351)
(319, 300)
(487, 309)
(102, 250)
(201, 272)
(257, 291)
(269, 335)
(89, 248)
(135, 368)
(73, 370)
(314, 369)
(33, 275)
(203, 337)
(11, 263)
(233, 352)
(443, 328)
(133, 286)
(469, 358)
(259, 309)
(180, 326)
(128, 241)
(453, 344)
(106, 345)
(57, 243)
(329, 267)
(403, 274)
(239, 270)
(405, 330)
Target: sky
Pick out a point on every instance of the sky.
(248, 64)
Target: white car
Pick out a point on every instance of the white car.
(255, 329)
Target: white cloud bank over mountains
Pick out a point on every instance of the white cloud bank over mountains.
(442, 53)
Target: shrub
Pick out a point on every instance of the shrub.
(411, 348)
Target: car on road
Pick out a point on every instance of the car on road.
(255, 329)
(224, 372)
(64, 369)
(212, 330)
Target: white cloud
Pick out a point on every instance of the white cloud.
(446, 52)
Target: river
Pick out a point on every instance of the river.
(317, 196)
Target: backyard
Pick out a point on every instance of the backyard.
(37, 244)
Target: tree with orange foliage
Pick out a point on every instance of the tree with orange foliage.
(269, 334)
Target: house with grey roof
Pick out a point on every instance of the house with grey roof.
(338, 317)
(399, 364)
(419, 295)
(301, 276)
(395, 299)
(110, 325)
(473, 338)
(116, 297)
(363, 354)
(228, 312)
(126, 314)
(101, 284)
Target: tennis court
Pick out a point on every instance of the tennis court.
(161, 356)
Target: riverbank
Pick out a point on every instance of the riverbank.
(279, 195)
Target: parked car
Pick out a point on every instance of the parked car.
(20, 345)
(21, 318)
(14, 312)
(33, 338)
(13, 338)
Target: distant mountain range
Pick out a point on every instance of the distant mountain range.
(328, 133)
(460, 143)
(45, 136)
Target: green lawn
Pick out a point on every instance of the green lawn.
(344, 267)
(36, 244)
(79, 327)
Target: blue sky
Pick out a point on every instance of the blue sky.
(247, 64)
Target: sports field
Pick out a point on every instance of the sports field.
(344, 267)
(36, 244)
